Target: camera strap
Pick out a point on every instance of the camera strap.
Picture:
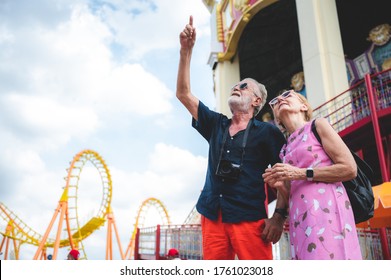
(243, 144)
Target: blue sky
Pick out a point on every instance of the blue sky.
(99, 75)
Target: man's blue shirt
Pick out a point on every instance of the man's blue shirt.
(241, 199)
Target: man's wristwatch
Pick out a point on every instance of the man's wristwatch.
(281, 211)
(310, 174)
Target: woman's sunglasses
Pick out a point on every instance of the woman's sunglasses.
(275, 100)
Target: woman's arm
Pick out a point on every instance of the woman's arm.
(344, 167)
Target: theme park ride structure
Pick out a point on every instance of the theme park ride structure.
(145, 205)
(68, 211)
(67, 208)
(17, 232)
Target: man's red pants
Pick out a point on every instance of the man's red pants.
(221, 241)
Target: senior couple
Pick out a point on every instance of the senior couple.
(245, 155)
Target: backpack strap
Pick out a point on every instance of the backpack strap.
(315, 132)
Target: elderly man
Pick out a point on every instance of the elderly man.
(232, 203)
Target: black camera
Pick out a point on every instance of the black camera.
(227, 169)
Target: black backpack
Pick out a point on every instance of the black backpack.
(359, 189)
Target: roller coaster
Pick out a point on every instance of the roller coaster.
(67, 217)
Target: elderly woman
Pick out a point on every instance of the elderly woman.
(321, 221)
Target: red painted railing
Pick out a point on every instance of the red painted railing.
(352, 105)
(153, 243)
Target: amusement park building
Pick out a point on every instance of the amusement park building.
(341, 65)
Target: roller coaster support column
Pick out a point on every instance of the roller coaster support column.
(380, 153)
(109, 238)
(6, 239)
(62, 209)
(1, 246)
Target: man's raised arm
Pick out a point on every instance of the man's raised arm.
(187, 40)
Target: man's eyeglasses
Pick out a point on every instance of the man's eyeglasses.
(242, 86)
(275, 100)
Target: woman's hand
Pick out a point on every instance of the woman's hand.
(283, 172)
(282, 186)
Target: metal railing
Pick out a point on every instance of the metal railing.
(154, 242)
(352, 105)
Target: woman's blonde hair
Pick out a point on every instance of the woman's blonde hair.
(308, 113)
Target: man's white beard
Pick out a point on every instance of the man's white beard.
(239, 104)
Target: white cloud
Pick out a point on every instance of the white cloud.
(5, 35)
(129, 88)
(146, 25)
(74, 61)
(48, 118)
(71, 83)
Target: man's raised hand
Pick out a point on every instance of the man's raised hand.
(188, 35)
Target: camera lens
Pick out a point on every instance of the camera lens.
(225, 167)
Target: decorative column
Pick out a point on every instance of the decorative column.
(322, 51)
